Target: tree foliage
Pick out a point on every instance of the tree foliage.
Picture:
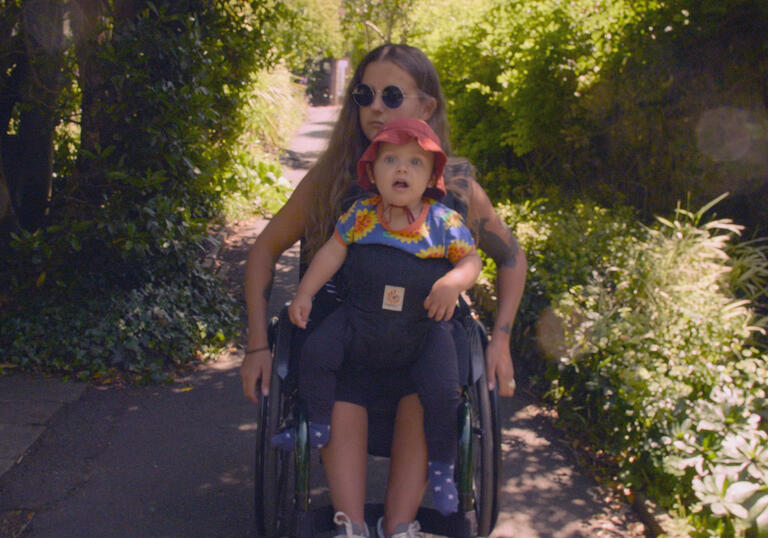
(321, 33)
(369, 23)
(634, 101)
(123, 136)
(149, 120)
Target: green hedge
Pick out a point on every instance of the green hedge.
(621, 101)
(147, 332)
(195, 108)
(655, 355)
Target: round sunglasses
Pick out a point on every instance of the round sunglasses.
(392, 96)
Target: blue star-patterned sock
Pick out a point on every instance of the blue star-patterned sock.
(445, 497)
(319, 434)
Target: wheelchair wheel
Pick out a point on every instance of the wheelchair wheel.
(487, 455)
(486, 436)
(273, 480)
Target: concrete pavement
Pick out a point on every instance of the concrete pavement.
(27, 405)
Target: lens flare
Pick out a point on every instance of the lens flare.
(726, 133)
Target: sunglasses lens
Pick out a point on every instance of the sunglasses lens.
(362, 95)
(392, 96)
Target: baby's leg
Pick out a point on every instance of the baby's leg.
(436, 375)
(345, 459)
(321, 356)
(408, 463)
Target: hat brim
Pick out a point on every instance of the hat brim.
(401, 131)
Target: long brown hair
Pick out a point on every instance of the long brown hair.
(334, 173)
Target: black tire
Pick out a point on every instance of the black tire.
(273, 480)
(487, 454)
(487, 441)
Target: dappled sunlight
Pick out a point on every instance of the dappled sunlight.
(529, 445)
(249, 427)
(541, 488)
(241, 476)
(225, 362)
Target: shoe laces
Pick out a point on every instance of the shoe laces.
(404, 530)
(411, 531)
(340, 518)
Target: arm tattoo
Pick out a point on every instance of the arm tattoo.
(460, 185)
(503, 252)
(506, 328)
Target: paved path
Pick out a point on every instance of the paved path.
(176, 460)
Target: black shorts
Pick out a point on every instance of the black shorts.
(365, 387)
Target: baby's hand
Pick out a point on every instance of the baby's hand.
(441, 301)
(299, 310)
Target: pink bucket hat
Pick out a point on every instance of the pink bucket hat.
(401, 131)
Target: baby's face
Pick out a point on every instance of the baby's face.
(403, 172)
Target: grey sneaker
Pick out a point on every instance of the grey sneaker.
(347, 529)
(403, 530)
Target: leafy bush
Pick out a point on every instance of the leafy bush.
(621, 101)
(719, 447)
(193, 102)
(519, 95)
(253, 180)
(657, 355)
(657, 371)
(159, 150)
(565, 241)
(147, 331)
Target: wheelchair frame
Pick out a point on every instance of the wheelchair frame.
(281, 479)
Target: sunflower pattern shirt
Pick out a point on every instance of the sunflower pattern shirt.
(438, 232)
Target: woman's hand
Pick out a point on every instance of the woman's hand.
(499, 368)
(257, 366)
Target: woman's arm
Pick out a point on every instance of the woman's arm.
(285, 228)
(325, 263)
(498, 242)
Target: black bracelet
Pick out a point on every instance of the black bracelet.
(256, 350)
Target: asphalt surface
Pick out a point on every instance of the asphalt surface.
(83, 460)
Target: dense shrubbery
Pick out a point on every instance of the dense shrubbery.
(634, 102)
(656, 356)
(274, 109)
(563, 242)
(190, 98)
(147, 331)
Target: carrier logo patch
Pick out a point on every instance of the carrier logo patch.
(393, 298)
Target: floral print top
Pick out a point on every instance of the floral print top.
(438, 232)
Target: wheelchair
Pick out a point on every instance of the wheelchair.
(283, 504)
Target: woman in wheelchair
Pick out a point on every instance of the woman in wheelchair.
(392, 81)
(394, 321)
